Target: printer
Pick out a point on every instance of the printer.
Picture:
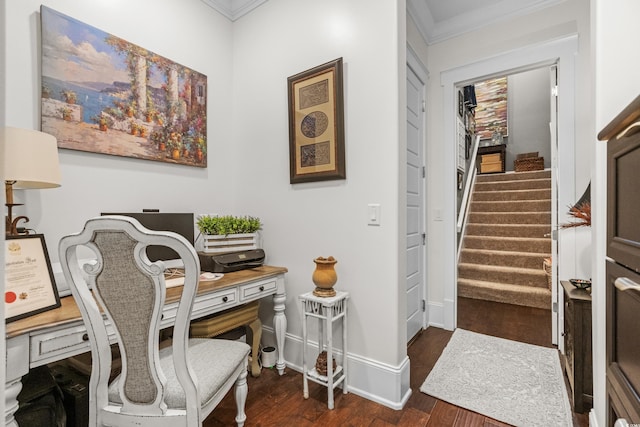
(231, 261)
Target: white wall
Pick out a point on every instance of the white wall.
(616, 85)
(303, 221)
(247, 64)
(529, 110)
(3, 109)
(188, 32)
(568, 18)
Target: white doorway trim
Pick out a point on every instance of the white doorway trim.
(561, 52)
(416, 297)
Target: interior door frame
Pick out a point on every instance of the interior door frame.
(561, 52)
(422, 73)
(557, 296)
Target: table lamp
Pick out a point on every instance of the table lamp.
(30, 161)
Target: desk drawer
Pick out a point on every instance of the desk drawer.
(208, 304)
(60, 344)
(258, 290)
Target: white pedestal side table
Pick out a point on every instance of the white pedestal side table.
(327, 310)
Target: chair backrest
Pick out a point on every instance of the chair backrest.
(130, 289)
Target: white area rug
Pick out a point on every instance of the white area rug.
(513, 382)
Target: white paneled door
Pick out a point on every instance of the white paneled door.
(416, 257)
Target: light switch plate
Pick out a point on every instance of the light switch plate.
(373, 214)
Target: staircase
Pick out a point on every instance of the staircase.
(504, 244)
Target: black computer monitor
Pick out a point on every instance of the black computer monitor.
(181, 223)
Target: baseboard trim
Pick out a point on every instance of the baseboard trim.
(436, 314)
(593, 420)
(449, 322)
(379, 382)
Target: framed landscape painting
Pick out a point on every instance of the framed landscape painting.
(103, 94)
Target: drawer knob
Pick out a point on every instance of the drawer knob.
(85, 337)
(225, 298)
(261, 288)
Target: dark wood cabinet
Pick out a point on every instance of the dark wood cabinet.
(578, 363)
(623, 267)
(623, 343)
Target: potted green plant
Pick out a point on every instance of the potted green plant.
(229, 233)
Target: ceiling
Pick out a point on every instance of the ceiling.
(436, 20)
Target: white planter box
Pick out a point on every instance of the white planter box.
(230, 242)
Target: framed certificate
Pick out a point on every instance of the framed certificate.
(29, 284)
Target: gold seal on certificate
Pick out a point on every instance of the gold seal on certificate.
(29, 284)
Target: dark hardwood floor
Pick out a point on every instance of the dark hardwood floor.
(277, 400)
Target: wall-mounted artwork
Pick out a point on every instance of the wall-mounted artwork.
(491, 112)
(316, 124)
(103, 94)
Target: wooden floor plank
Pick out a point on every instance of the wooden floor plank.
(469, 419)
(443, 414)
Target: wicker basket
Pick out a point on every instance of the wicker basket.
(528, 164)
(546, 266)
(527, 155)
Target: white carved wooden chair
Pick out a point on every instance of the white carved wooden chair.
(175, 386)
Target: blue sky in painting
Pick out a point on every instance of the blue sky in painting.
(76, 52)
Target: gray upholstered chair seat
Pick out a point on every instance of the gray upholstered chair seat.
(213, 362)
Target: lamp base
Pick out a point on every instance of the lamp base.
(11, 224)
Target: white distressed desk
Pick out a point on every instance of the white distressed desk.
(57, 334)
(327, 310)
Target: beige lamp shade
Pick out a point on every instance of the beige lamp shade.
(30, 158)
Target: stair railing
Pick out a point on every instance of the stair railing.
(468, 186)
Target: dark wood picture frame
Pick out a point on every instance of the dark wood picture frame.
(30, 287)
(316, 124)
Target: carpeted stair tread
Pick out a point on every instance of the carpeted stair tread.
(507, 239)
(513, 185)
(511, 176)
(508, 230)
(509, 217)
(510, 206)
(518, 244)
(505, 293)
(512, 195)
(513, 259)
(494, 273)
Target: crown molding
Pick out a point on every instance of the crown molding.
(434, 32)
(234, 9)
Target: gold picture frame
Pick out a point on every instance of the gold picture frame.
(30, 287)
(316, 124)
